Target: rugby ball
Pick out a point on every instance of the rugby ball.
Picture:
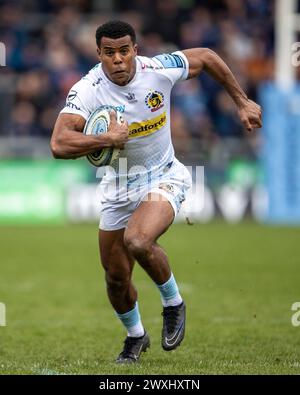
(98, 123)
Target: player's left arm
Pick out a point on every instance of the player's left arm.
(204, 59)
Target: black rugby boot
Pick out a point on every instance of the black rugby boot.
(133, 347)
(173, 326)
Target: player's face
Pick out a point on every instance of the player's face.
(118, 58)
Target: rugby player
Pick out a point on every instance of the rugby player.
(142, 208)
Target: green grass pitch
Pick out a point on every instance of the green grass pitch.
(239, 283)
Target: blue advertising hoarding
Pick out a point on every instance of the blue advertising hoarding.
(281, 152)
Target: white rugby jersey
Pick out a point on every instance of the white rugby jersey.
(145, 104)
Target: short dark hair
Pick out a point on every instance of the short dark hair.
(115, 29)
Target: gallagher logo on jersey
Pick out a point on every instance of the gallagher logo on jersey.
(154, 100)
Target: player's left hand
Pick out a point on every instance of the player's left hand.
(250, 115)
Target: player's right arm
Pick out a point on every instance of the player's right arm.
(68, 141)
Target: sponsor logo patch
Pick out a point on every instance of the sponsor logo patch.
(167, 187)
(145, 128)
(131, 97)
(150, 67)
(72, 94)
(170, 61)
(154, 100)
(95, 83)
(120, 108)
(72, 105)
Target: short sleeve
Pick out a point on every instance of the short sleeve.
(175, 65)
(80, 99)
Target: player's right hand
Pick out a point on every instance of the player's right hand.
(118, 133)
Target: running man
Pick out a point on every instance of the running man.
(154, 185)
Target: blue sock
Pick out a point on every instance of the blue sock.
(132, 322)
(169, 293)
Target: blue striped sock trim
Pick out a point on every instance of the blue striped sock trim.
(169, 289)
(130, 318)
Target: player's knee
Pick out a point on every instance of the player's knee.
(117, 281)
(138, 245)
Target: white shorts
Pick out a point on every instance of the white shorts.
(172, 183)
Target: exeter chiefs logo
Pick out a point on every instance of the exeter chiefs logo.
(154, 100)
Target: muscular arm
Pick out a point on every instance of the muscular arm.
(204, 59)
(68, 141)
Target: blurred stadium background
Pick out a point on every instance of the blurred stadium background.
(252, 180)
